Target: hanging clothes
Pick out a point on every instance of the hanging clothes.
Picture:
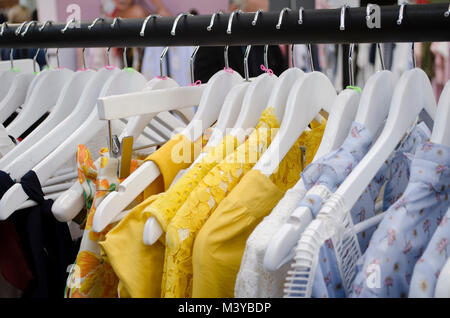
(252, 280)
(139, 266)
(181, 232)
(430, 264)
(46, 242)
(220, 243)
(324, 176)
(408, 225)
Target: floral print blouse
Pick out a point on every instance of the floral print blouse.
(91, 276)
(332, 169)
(386, 268)
(429, 266)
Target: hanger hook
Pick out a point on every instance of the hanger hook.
(27, 27)
(257, 13)
(399, 22)
(4, 26)
(247, 53)
(175, 22)
(72, 21)
(46, 57)
(108, 57)
(213, 18)
(116, 19)
(342, 20)
(11, 58)
(161, 59)
(350, 64)
(83, 57)
(266, 47)
(19, 29)
(95, 22)
(230, 19)
(45, 24)
(34, 59)
(124, 56)
(447, 13)
(192, 63)
(380, 51)
(280, 18)
(300, 15)
(209, 28)
(144, 25)
(400, 13)
(57, 57)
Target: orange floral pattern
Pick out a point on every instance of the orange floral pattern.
(97, 278)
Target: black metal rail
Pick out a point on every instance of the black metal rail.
(421, 23)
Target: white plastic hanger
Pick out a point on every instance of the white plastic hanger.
(208, 111)
(231, 106)
(71, 93)
(347, 258)
(377, 93)
(25, 65)
(413, 94)
(372, 112)
(43, 97)
(309, 95)
(70, 203)
(7, 78)
(441, 128)
(18, 92)
(257, 94)
(121, 82)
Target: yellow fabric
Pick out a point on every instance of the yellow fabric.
(176, 154)
(165, 207)
(181, 232)
(138, 266)
(220, 244)
(299, 156)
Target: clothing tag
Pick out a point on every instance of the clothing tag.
(125, 161)
(356, 88)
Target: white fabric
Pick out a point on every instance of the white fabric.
(252, 280)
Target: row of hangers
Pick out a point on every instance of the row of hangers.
(386, 108)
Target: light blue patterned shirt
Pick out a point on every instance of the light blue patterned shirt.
(407, 227)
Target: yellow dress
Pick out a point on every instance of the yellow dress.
(181, 232)
(139, 266)
(220, 243)
(165, 207)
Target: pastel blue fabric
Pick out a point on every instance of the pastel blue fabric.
(429, 266)
(407, 227)
(331, 170)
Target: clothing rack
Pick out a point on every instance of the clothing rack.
(420, 23)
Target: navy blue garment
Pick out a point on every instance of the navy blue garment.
(47, 242)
